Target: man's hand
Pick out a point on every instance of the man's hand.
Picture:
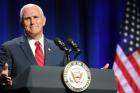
(106, 66)
(4, 76)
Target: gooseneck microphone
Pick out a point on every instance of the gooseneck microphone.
(61, 44)
(74, 46)
(63, 47)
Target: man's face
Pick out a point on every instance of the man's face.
(33, 22)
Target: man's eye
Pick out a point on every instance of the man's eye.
(26, 18)
(36, 17)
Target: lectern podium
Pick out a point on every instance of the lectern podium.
(49, 80)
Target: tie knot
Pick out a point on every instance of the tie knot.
(37, 43)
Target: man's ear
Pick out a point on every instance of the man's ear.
(45, 21)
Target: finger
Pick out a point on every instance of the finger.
(5, 66)
(5, 69)
(5, 78)
(106, 66)
(8, 81)
(3, 75)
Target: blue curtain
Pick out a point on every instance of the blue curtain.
(92, 24)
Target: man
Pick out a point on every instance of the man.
(20, 53)
(31, 49)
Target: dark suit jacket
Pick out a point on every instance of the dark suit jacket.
(18, 54)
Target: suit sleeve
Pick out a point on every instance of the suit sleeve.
(5, 57)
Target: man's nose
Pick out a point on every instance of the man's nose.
(32, 21)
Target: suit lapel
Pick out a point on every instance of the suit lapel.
(27, 50)
(47, 51)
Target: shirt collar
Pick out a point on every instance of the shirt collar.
(41, 40)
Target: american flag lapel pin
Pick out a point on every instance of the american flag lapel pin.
(49, 49)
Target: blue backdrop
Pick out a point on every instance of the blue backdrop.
(93, 24)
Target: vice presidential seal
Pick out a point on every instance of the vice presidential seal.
(77, 76)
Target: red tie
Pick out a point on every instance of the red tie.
(39, 54)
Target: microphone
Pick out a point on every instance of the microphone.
(61, 44)
(63, 47)
(73, 45)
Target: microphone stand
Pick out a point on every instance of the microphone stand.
(68, 52)
(68, 55)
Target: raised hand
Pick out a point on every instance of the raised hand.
(4, 76)
(106, 66)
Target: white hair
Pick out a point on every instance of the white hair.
(27, 6)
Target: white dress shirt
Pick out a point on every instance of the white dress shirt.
(32, 44)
